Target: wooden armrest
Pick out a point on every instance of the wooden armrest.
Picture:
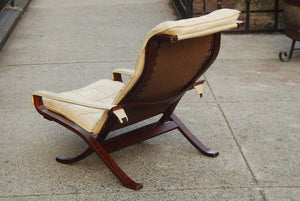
(198, 86)
(116, 74)
(196, 83)
(240, 23)
(117, 110)
(90, 104)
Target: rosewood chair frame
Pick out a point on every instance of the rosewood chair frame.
(169, 121)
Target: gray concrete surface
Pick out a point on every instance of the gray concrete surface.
(9, 17)
(250, 111)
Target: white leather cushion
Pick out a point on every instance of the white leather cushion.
(103, 91)
(215, 21)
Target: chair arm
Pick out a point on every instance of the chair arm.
(196, 83)
(116, 74)
(119, 112)
(199, 88)
(239, 23)
(57, 97)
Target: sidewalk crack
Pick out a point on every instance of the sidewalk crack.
(232, 133)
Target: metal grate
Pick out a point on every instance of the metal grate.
(273, 18)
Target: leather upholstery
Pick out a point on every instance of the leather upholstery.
(112, 92)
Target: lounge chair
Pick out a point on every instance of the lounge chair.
(173, 57)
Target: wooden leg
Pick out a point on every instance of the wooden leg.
(96, 147)
(192, 138)
(90, 140)
(111, 164)
(69, 160)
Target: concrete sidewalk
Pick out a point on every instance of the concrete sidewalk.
(250, 112)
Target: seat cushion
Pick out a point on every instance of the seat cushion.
(103, 91)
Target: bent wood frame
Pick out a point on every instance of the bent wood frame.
(169, 121)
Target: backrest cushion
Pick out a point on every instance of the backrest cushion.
(216, 21)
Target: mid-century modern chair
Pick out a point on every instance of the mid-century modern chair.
(173, 57)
